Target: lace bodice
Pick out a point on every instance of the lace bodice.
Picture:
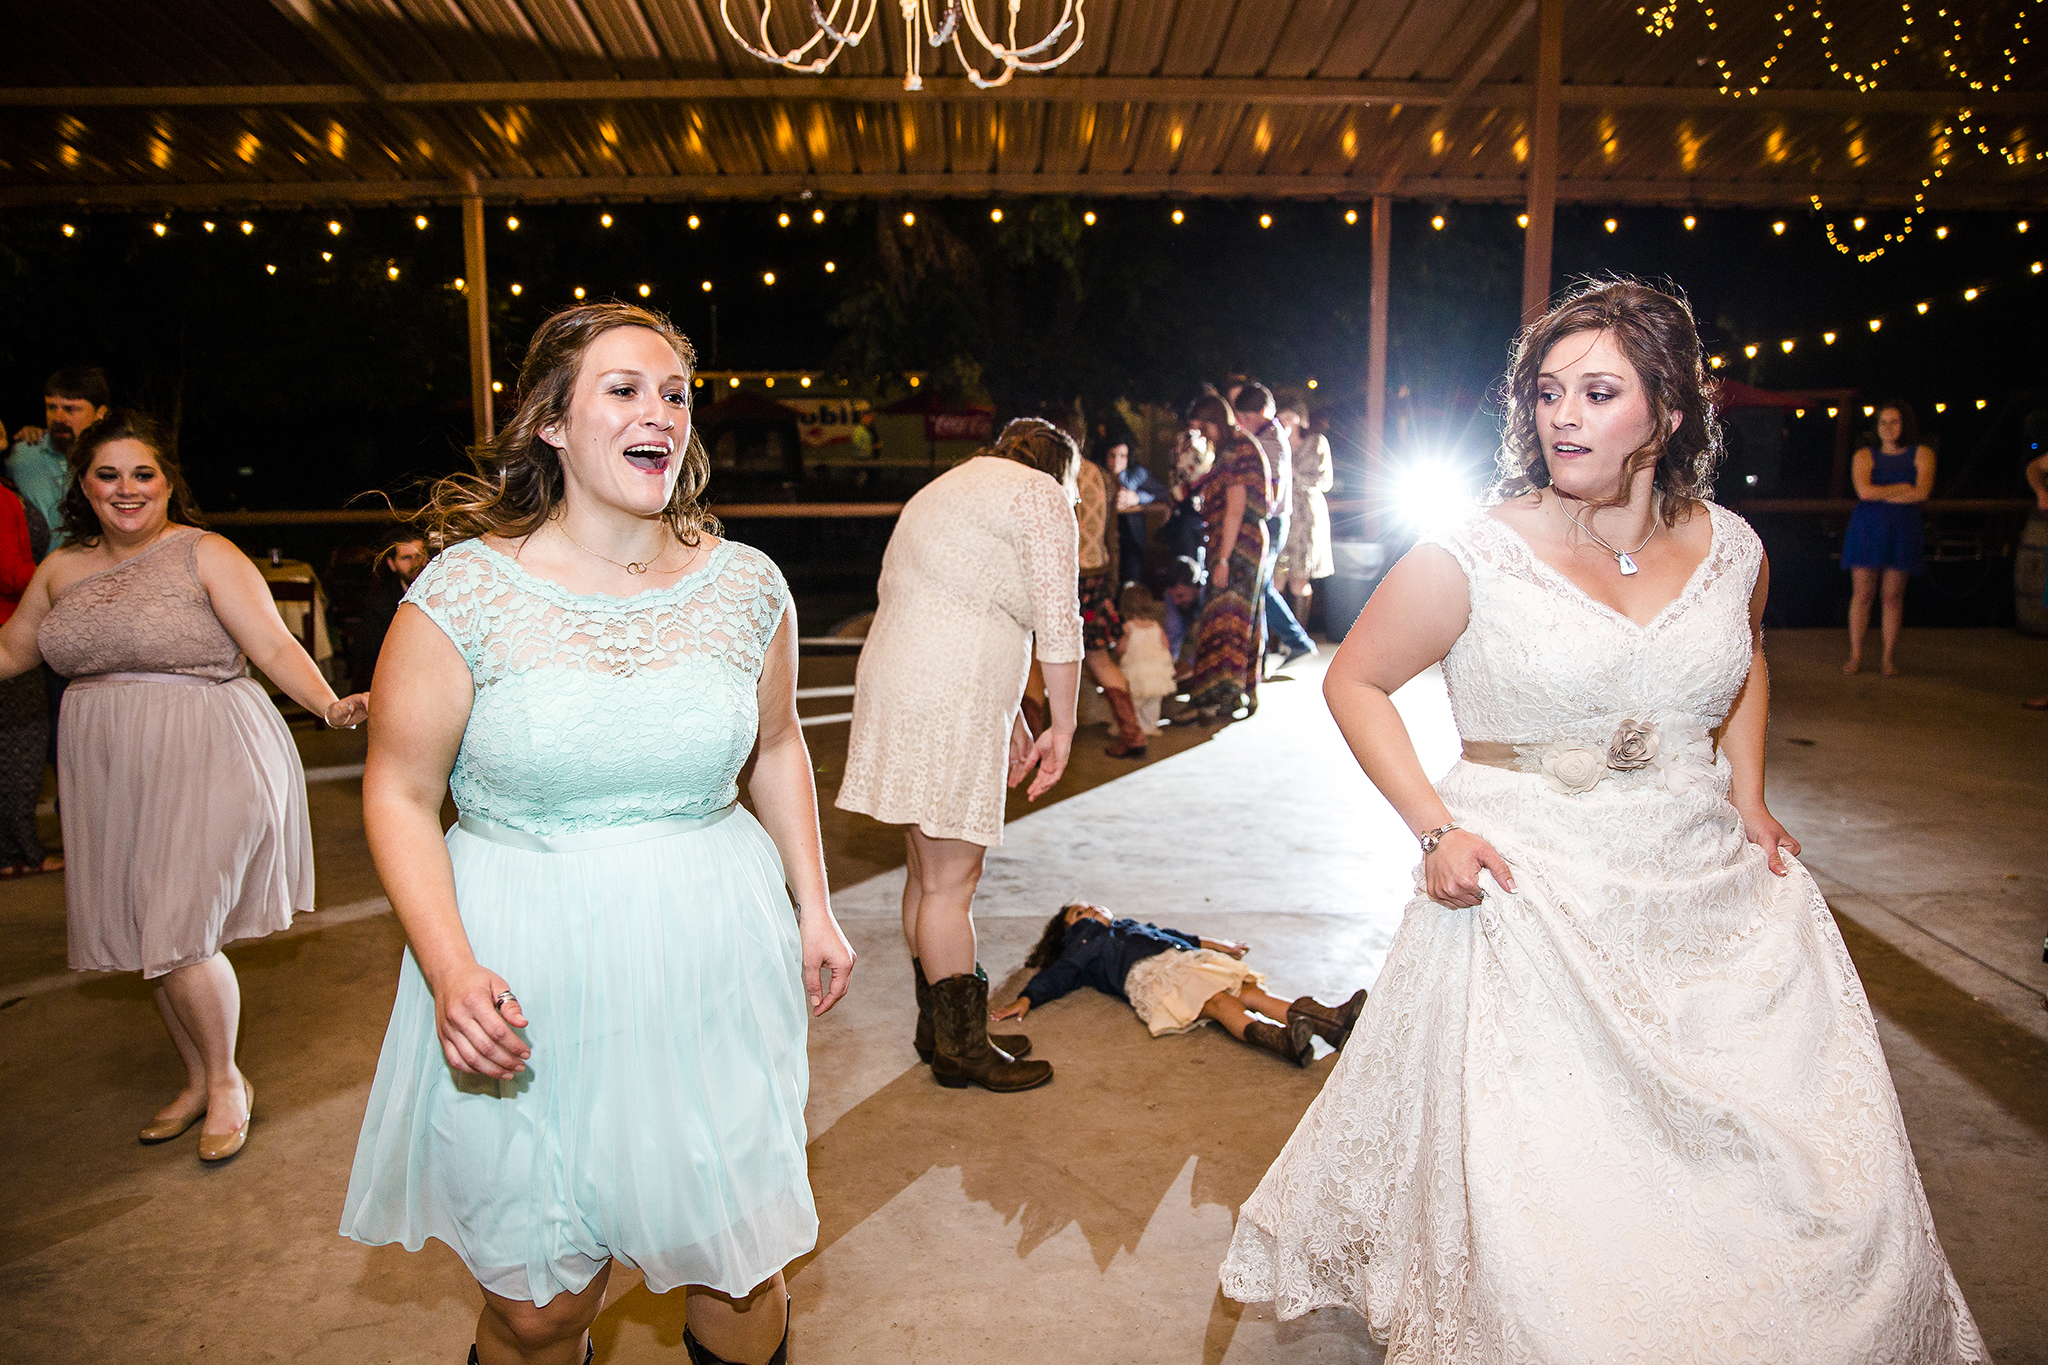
(593, 711)
(1540, 661)
(149, 614)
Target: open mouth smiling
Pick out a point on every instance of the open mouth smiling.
(651, 457)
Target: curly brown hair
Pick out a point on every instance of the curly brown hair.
(1655, 333)
(517, 485)
(81, 523)
(1052, 942)
(1038, 444)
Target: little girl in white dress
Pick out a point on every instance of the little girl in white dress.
(1147, 659)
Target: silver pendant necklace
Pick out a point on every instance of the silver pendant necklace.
(1623, 559)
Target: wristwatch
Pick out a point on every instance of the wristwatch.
(1436, 836)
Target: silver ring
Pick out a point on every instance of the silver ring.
(502, 997)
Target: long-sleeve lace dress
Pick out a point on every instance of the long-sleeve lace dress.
(1635, 1110)
(604, 868)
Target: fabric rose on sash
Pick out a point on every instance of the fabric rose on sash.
(1634, 746)
(1573, 769)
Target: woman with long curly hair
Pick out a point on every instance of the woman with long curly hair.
(1617, 1093)
(184, 805)
(1230, 636)
(597, 1050)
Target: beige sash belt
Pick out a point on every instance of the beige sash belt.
(1494, 754)
(182, 679)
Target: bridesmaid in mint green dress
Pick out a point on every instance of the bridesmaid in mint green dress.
(597, 1049)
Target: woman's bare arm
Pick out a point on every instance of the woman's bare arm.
(1410, 622)
(1226, 539)
(242, 601)
(422, 693)
(786, 803)
(1742, 739)
(19, 651)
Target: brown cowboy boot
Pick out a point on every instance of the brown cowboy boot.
(1293, 1043)
(964, 1054)
(1015, 1044)
(1333, 1023)
(1130, 736)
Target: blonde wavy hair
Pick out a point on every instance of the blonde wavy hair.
(1655, 333)
(517, 483)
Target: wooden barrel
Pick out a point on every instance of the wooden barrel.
(2030, 576)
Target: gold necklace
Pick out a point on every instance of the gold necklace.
(630, 567)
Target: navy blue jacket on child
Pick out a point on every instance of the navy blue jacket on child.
(1102, 955)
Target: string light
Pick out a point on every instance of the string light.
(1941, 234)
(707, 286)
(817, 215)
(1869, 411)
(1750, 351)
(995, 215)
(1876, 323)
(390, 271)
(1941, 407)
(1922, 306)
(1350, 216)
(1980, 404)
(158, 228)
(782, 220)
(327, 256)
(578, 291)
(1088, 218)
(910, 220)
(1179, 217)
(1437, 222)
(694, 221)
(733, 382)
(1690, 222)
(517, 289)
(247, 228)
(334, 227)
(805, 381)
(1858, 223)
(1612, 226)
(1779, 227)
(1828, 338)
(767, 277)
(1311, 383)
(2034, 269)
(831, 266)
(207, 226)
(1714, 362)
(497, 386)
(1969, 296)
(461, 284)
(914, 381)
(420, 222)
(1834, 412)
(272, 270)
(2023, 225)
(769, 381)
(1786, 345)
(1265, 220)
(604, 220)
(512, 224)
(1521, 220)
(645, 290)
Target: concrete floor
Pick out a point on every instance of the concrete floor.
(1083, 1221)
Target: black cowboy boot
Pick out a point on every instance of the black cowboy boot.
(1292, 1043)
(700, 1356)
(1015, 1044)
(589, 1350)
(1333, 1023)
(964, 1053)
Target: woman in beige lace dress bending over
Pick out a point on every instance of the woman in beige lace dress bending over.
(184, 804)
(982, 559)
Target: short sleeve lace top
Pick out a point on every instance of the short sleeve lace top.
(594, 711)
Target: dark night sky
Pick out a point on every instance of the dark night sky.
(327, 378)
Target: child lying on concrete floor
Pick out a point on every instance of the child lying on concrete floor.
(1175, 981)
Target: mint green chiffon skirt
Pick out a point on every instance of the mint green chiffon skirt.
(660, 1120)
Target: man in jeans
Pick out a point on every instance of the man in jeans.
(1255, 409)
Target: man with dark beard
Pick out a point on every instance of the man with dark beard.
(40, 462)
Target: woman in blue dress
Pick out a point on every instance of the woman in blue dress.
(1882, 547)
(597, 1049)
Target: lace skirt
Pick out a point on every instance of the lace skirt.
(1169, 989)
(660, 1120)
(1636, 1110)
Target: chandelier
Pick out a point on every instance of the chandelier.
(839, 24)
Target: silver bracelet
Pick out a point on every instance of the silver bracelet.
(1436, 836)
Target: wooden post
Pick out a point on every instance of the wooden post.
(1376, 364)
(479, 313)
(1543, 160)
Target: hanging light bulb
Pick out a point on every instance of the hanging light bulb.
(1437, 222)
(516, 289)
(1690, 222)
(334, 227)
(1179, 217)
(419, 222)
(1351, 216)
(1778, 228)
(995, 215)
(909, 219)
(604, 220)
(706, 286)
(817, 215)
(512, 223)
(645, 290)
(1521, 220)
(1612, 225)
(1750, 351)
(158, 228)
(694, 220)
(1089, 218)
(1828, 337)
(831, 266)
(926, 23)
(1787, 346)
(1265, 220)
(578, 291)
(247, 228)
(782, 220)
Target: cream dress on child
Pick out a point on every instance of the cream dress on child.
(1635, 1110)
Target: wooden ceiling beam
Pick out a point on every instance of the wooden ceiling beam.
(1051, 89)
(1504, 189)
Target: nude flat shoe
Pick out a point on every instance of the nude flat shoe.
(221, 1146)
(168, 1129)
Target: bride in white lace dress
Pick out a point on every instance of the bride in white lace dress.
(1618, 1094)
